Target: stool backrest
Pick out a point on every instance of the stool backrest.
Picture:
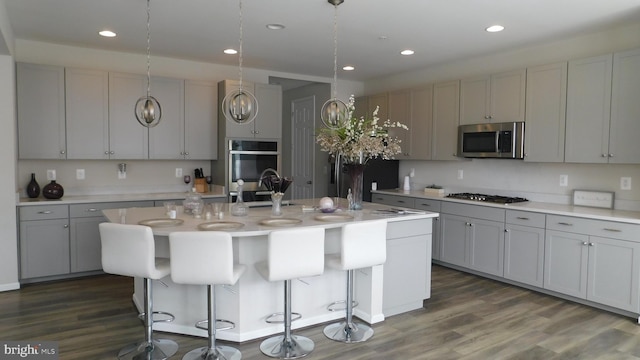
(201, 258)
(128, 250)
(296, 253)
(364, 244)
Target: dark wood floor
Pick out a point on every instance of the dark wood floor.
(467, 317)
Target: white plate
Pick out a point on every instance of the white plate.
(220, 225)
(161, 222)
(280, 222)
(333, 217)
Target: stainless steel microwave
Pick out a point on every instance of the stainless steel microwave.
(491, 140)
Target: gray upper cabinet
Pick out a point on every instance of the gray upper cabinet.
(446, 115)
(588, 110)
(624, 146)
(545, 113)
(200, 120)
(166, 140)
(41, 112)
(493, 98)
(412, 108)
(127, 138)
(400, 110)
(87, 98)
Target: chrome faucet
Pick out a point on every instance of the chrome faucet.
(264, 172)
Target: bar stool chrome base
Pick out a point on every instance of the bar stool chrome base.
(159, 349)
(348, 333)
(294, 348)
(219, 353)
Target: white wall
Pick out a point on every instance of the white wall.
(536, 181)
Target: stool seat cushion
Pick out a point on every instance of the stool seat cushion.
(293, 253)
(362, 245)
(129, 250)
(203, 258)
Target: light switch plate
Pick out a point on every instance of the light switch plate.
(600, 199)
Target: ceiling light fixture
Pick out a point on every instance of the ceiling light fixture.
(495, 28)
(240, 106)
(107, 33)
(275, 26)
(334, 111)
(148, 110)
(407, 52)
(348, 68)
(230, 51)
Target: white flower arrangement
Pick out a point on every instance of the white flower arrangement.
(359, 140)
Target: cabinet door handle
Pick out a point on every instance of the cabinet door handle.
(591, 244)
(92, 210)
(400, 201)
(613, 230)
(506, 230)
(427, 205)
(111, 152)
(45, 212)
(522, 218)
(585, 243)
(66, 226)
(106, 152)
(565, 223)
(610, 155)
(604, 155)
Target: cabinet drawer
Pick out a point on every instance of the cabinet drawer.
(525, 218)
(393, 200)
(608, 229)
(95, 209)
(428, 205)
(44, 212)
(473, 211)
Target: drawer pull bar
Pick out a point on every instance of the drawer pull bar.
(92, 210)
(522, 218)
(45, 212)
(565, 223)
(613, 230)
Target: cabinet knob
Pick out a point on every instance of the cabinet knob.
(186, 153)
(62, 152)
(309, 182)
(591, 244)
(604, 155)
(506, 230)
(585, 243)
(66, 226)
(106, 152)
(610, 155)
(112, 152)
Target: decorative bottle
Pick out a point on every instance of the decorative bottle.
(33, 189)
(53, 190)
(239, 208)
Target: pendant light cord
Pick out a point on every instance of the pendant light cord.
(148, 48)
(335, 53)
(240, 48)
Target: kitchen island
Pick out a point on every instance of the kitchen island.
(400, 285)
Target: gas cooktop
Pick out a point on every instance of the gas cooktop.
(487, 198)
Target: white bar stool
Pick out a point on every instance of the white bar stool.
(206, 258)
(362, 245)
(291, 254)
(129, 250)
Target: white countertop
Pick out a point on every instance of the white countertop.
(632, 217)
(251, 223)
(216, 192)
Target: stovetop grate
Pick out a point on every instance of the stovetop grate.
(487, 198)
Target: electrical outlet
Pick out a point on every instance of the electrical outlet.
(564, 180)
(122, 175)
(51, 174)
(79, 174)
(412, 173)
(625, 183)
(460, 174)
(178, 172)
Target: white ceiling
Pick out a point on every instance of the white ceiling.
(438, 30)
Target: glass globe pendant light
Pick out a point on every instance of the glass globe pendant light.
(240, 106)
(148, 110)
(334, 111)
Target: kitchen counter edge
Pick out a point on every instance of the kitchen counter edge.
(625, 216)
(83, 199)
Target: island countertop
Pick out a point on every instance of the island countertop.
(256, 223)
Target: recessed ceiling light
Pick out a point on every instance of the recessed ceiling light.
(107, 33)
(230, 51)
(407, 52)
(275, 26)
(495, 28)
(348, 68)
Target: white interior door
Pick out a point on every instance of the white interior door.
(303, 125)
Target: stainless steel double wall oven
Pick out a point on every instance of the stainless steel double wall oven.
(248, 159)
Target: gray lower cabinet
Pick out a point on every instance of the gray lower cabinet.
(393, 200)
(473, 238)
(433, 206)
(524, 247)
(580, 262)
(44, 241)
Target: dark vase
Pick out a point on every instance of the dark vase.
(33, 189)
(356, 174)
(53, 190)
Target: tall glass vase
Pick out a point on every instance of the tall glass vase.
(356, 175)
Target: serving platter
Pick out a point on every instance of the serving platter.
(161, 222)
(333, 217)
(280, 222)
(220, 225)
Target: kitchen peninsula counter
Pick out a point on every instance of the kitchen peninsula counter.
(400, 285)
